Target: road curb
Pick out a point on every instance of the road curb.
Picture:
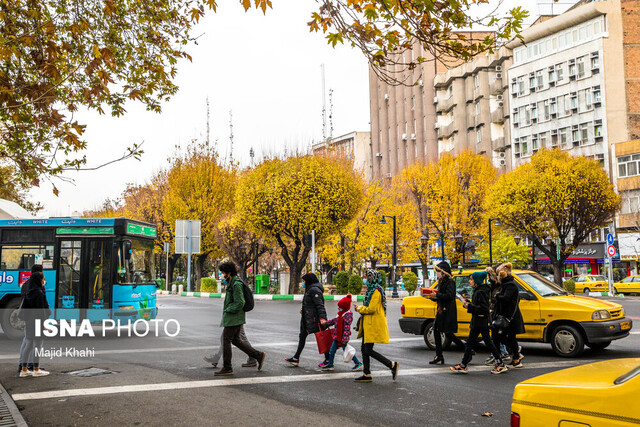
(261, 297)
(9, 411)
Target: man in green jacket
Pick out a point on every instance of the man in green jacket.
(233, 319)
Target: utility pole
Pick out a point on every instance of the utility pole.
(208, 121)
(324, 108)
(231, 135)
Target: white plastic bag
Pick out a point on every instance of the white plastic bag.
(349, 352)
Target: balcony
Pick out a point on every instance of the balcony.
(497, 144)
(446, 131)
(497, 115)
(496, 87)
(444, 105)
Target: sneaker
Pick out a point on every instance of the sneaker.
(491, 361)
(40, 373)
(293, 361)
(250, 363)
(261, 360)
(517, 363)
(24, 374)
(499, 369)
(459, 369)
(327, 368)
(323, 364)
(211, 359)
(364, 379)
(357, 368)
(394, 370)
(505, 357)
(223, 372)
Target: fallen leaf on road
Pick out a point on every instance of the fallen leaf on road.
(487, 414)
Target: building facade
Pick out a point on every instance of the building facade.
(472, 109)
(627, 181)
(353, 146)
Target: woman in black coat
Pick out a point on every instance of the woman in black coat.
(314, 315)
(506, 304)
(35, 308)
(446, 320)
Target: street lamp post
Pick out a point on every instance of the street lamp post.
(442, 243)
(490, 239)
(394, 294)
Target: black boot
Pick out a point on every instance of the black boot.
(436, 360)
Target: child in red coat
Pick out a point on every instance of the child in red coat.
(341, 333)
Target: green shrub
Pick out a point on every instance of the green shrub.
(208, 284)
(570, 286)
(341, 282)
(355, 284)
(383, 274)
(160, 282)
(410, 281)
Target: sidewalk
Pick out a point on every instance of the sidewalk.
(9, 414)
(276, 297)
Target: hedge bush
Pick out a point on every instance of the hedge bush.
(341, 282)
(410, 281)
(208, 284)
(570, 286)
(355, 284)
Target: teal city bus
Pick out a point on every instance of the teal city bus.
(95, 269)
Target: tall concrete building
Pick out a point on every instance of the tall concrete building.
(472, 108)
(353, 146)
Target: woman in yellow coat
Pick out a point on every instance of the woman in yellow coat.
(373, 326)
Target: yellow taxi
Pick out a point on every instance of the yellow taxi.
(596, 394)
(586, 283)
(627, 285)
(551, 315)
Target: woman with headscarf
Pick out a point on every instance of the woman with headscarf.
(36, 309)
(373, 326)
(507, 305)
(313, 316)
(446, 320)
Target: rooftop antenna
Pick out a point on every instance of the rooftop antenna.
(324, 108)
(330, 114)
(207, 121)
(231, 135)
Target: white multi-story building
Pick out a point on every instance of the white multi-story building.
(557, 89)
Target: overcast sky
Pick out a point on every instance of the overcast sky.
(266, 69)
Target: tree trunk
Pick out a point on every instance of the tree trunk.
(295, 276)
(199, 267)
(557, 274)
(173, 259)
(425, 274)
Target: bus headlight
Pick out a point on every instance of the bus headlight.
(601, 315)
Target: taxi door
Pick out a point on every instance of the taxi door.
(530, 309)
(464, 318)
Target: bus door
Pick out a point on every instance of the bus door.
(69, 292)
(99, 279)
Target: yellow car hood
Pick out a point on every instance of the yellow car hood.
(592, 375)
(586, 302)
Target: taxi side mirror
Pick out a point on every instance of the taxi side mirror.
(527, 296)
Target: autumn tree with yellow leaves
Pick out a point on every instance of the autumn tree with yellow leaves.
(447, 199)
(554, 195)
(285, 200)
(199, 188)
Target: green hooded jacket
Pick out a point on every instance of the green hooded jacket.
(233, 310)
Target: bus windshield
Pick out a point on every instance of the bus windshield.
(138, 267)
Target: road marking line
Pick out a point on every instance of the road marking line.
(255, 380)
(203, 347)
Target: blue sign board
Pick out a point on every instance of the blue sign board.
(57, 222)
(610, 239)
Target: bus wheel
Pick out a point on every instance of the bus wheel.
(12, 326)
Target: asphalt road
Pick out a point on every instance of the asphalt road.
(163, 380)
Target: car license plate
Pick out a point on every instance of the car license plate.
(625, 325)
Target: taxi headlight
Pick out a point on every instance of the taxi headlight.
(600, 315)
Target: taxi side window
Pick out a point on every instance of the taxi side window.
(525, 294)
(580, 279)
(463, 287)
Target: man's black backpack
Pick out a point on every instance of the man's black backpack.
(248, 297)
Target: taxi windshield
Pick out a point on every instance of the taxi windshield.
(597, 278)
(542, 286)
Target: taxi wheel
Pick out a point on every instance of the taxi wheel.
(586, 290)
(567, 341)
(430, 342)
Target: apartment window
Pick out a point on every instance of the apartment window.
(478, 108)
(588, 98)
(584, 133)
(596, 27)
(564, 136)
(514, 88)
(574, 101)
(527, 116)
(534, 112)
(539, 79)
(476, 80)
(595, 61)
(524, 145)
(596, 94)
(572, 69)
(554, 43)
(562, 105)
(516, 146)
(574, 35)
(449, 91)
(582, 33)
(559, 73)
(544, 137)
(554, 138)
(547, 110)
(479, 135)
(575, 134)
(520, 86)
(561, 41)
(581, 67)
(628, 165)
(534, 143)
(514, 116)
(553, 106)
(597, 128)
(532, 82)
(552, 75)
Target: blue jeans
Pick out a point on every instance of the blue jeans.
(332, 354)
